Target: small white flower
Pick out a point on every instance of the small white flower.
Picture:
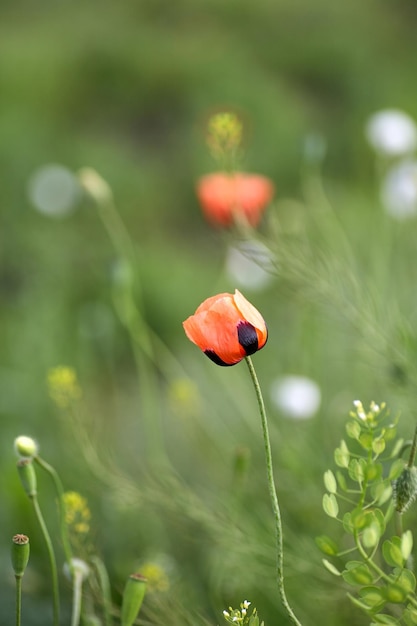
(245, 604)
(226, 614)
(392, 132)
(298, 397)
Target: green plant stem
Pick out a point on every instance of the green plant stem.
(60, 493)
(413, 449)
(52, 560)
(77, 583)
(18, 599)
(272, 493)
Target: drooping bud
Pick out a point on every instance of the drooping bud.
(133, 595)
(27, 476)
(20, 554)
(405, 489)
(26, 447)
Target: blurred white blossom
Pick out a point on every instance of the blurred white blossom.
(250, 264)
(399, 190)
(54, 190)
(298, 397)
(392, 132)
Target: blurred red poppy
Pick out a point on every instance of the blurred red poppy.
(227, 328)
(225, 197)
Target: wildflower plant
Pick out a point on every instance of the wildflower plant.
(242, 616)
(367, 495)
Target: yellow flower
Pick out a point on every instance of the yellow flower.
(77, 513)
(63, 386)
(224, 134)
(157, 579)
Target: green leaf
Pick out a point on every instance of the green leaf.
(397, 447)
(341, 481)
(385, 619)
(347, 524)
(406, 544)
(373, 471)
(378, 446)
(405, 579)
(410, 616)
(374, 597)
(382, 492)
(357, 574)
(371, 536)
(358, 603)
(330, 482)
(353, 429)
(391, 551)
(331, 568)
(396, 594)
(396, 469)
(330, 506)
(342, 455)
(366, 440)
(357, 470)
(327, 545)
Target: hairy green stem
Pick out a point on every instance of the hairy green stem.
(52, 560)
(272, 493)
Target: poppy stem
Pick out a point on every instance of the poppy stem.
(272, 493)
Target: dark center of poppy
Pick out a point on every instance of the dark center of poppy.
(216, 359)
(248, 337)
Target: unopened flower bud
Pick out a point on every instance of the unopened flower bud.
(20, 554)
(405, 489)
(133, 595)
(26, 446)
(27, 476)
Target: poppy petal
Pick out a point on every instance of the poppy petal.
(248, 337)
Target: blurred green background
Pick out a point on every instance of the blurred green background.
(127, 88)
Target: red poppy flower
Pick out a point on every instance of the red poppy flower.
(227, 328)
(224, 197)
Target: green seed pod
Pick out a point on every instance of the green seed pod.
(27, 476)
(20, 554)
(405, 489)
(133, 595)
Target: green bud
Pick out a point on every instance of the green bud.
(133, 595)
(405, 489)
(26, 447)
(20, 554)
(27, 476)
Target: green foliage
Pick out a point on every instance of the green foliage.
(363, 500)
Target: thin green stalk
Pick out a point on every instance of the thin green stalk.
(272, 493)
(18, 599)
(52, 560)
(60, 493)
(77, 583)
